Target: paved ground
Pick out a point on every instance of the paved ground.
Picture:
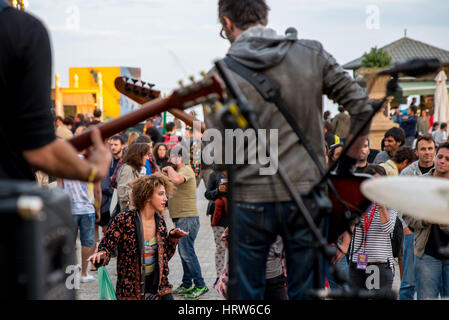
(205, 249)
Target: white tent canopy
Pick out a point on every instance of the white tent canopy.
(441, 113)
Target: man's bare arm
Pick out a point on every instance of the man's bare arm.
(60, 159)
(175, 177)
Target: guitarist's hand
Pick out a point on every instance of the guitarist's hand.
(99, 155)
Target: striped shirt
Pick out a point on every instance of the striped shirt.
(378, 240)
(150, 258)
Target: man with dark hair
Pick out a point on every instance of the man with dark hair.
(408, 124)
(78, 121)
(425, 150)
(402, 158)
(341, 124)
(184, 213)
(327, 116)
(171, 139)
(393, 139)
(362, 162)
(304, 72)
(116, 147)
(435, 127)
(68, 122)
(432, 268)
(151, 131)
(61, 129)
(97, 117)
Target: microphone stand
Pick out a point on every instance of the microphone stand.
(322, 202)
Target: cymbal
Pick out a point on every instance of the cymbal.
(424, 198)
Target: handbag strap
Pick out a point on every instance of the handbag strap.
(271, 92)
(352, 244)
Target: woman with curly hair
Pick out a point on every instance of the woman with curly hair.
(144, 246)
(132, 167)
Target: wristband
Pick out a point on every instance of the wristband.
(93, 174)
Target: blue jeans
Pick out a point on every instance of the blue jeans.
(86, 225)
(433, 277)
(344, 268)
(407, 290)
(257, 225)
(186, 248)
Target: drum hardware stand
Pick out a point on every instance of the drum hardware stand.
(322, 203)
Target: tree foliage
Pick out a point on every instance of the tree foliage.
(376, 58)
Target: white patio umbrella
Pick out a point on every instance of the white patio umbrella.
(441, 111)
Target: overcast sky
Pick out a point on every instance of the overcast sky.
(173, 39)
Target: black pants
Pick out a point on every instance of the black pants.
(358, 278)
(151, 286)
(275, 288)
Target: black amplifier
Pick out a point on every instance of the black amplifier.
(36, 242)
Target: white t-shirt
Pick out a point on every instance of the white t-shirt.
(79, 194)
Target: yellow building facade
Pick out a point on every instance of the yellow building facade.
(91, 88)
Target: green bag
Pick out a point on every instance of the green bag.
(105, 287)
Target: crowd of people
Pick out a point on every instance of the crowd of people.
(148, 176)
(156, 159)
(146, 168)
(126, 184)
(412, 149)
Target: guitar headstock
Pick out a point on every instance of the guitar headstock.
(207, 90)
(136, 90)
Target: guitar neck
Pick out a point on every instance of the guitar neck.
(187, 118)
(115, 126)
(208, 90)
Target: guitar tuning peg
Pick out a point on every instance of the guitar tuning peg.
(127, 88)
(203, 74)
(192, 78)
(180, 83)
(135, 86)
(142, 88)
